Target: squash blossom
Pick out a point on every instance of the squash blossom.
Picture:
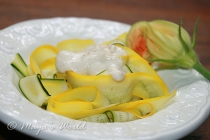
(166, 43)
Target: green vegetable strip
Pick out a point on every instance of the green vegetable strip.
(17, 57)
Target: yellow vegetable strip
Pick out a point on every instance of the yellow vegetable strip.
(55, 86)
(145, 85)
(74, 45)
(89, 94)
(142, 110)
(137, 63)
(116, 92)
(157, 102)
(40, 55)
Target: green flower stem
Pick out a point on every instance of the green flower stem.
(202, 70)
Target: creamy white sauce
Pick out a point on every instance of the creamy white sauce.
(93, 60)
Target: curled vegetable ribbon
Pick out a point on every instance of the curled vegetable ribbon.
(166, 43)
(88, 101)
(139, 84)
(42, 60)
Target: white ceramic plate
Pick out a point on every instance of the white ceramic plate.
(189, 109)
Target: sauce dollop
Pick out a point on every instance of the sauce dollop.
(93, 60)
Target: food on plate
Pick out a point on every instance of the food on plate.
(90, 89)
(79, 79)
